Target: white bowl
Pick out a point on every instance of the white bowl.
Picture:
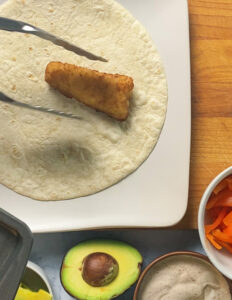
(35, 278)
(222, 259)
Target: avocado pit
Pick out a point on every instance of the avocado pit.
(99, 269)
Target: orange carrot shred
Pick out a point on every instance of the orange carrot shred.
(213, 213)
(226, 246)
(224, 198)
(228, 219)
(230, 185)
(229, 182)
(213, 242)
(219, 214)
(222, 226)
(212, 200)
(216, 223)
(228, 230)
(221, 236)
(221, 186)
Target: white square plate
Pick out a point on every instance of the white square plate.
(156, 194)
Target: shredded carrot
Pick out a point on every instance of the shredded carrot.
(217, 222)
(228, 219)
(224, 198)
(211, 202)
(219, 213)
(222, 226)
(221, 236)
(230, 185)
(213, 242)
(225, 245)
(221, 186)
(225, 202)
(229, 182)
(213, 213)
(228, 230)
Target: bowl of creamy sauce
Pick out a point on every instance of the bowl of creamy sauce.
(182, 276)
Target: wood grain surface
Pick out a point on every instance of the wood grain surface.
(211, 71)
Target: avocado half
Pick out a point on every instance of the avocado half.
(100, 269)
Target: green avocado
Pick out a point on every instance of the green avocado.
(100, 269)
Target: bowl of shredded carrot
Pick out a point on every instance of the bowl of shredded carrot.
(215, 222)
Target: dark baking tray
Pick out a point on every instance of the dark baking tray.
(15, 246)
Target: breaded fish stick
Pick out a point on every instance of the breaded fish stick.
(108, 93)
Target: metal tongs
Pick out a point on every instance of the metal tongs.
(19, 26)
(8, 100)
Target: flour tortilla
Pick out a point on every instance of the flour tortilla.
(50, 158)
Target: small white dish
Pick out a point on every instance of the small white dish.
(222, 259)
(35, 278)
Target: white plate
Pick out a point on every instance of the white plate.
(156, 194)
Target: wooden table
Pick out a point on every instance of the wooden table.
(211, 63)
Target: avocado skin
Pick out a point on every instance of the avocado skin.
(128, 258)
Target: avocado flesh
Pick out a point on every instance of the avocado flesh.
(25, 294)
(129, 261)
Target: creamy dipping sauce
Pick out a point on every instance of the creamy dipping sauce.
(183, 277)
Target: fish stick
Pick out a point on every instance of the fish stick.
(107, 93)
